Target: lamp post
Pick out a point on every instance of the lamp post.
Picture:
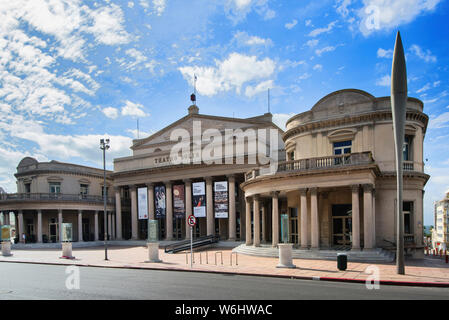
(104, 145)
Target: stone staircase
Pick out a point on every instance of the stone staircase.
(375, 255)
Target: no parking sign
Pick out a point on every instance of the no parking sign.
(191, 220)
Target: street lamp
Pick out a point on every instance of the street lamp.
(104, 145)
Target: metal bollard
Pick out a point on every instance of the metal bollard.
(236, 259)
(221, 254)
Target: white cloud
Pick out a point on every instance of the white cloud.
(425, 88)
(110, 112)
(237, 10)
(133, 109)
(159, 6)
(290, 25)
(244, 39)
(251, 91)
(424, 55)
(312, 43)
(318, 67)
(319, 52)
(319, 31)
(232, 73)
(441, 121)
(385, 81)
(382, 53)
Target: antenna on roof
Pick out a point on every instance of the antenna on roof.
(193, 96)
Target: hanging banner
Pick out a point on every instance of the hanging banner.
(142, 203)
(199, 199)
(159, 201)
(179, 207)
(221, 199)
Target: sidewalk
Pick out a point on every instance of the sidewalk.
(430, 271)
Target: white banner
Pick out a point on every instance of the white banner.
(221, 199)
(199, 199)
(142, 203)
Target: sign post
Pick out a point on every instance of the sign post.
(192, 222)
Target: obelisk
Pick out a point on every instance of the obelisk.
(398, 108)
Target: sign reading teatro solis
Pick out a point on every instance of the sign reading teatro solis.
(221, 199)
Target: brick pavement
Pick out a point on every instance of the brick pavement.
(428, 271)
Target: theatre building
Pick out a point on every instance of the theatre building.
(52, 193)
(169, 186)
(337, 188)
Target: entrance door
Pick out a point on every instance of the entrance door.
(86, 235)
(177, 228)
(294, 238)
(54, 231)
(342, 225)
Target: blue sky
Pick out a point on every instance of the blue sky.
(74, 71)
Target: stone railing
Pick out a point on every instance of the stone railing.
(328, 162)
(25, 197)
(407, 166)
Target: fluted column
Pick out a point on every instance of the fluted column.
(355, 218)
(21, 225)
(39, 226)
(209, 207)
(96, 226)
(314, 216)
(256, 219)
(304, 210)
(188, 194)
(60, 224)
(368, 216)
(80, 225)
(169, 213)
(275, 219)
(118, 213)
(232, 218)
(248, 239)
(133, 195)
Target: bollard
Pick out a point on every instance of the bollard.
(6, 248)
(153, 252)
(67, 250)
(285, 256)
(236, 259)
(187, 258)
(342, 261)
(201, 258)
(221, 254)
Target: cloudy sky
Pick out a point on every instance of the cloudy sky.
(72, 71)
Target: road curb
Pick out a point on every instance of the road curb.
(312, 278)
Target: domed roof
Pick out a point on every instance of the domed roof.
(342, 97)
(27, 161)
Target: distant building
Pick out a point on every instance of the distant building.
(440, 234)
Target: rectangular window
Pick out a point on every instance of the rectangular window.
(102, 190)
(27, 187)
(55, 187)
(406, 150)
(84, 189)
(342, 147)
(407, 209)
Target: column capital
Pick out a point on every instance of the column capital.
(313, 191)
(132, 187)
(39, 211)
(149, 184)
(117, 188)
(368, 188)
(167, 183)
(256, 197)
(209, 179)
(303, 191)
(275, 194)
(187, 181)
(248, 199)
(80, 211)
(355, 187)
(231, 177)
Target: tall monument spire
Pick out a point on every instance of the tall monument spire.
(398, 108)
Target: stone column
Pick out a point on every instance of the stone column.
(60, 224)
(374, 218)
(39, 226)
(189, 210)
(169, 213)
(314, 216)
(210, 207)
(304, 227)
(113, 219)
(133, 195)
(96, 225)
(118, 213)
(368, 216)
(109, 213)
(256, 212)
(264, 222)
(232, 217)
(150, 191)
(275, 218)
(248, 221)
(21, 226)
(355, 218)
(80, 225)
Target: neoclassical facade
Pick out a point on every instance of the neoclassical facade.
(440, 234)
(338, 185)
(51, 193)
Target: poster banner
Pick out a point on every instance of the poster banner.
(221, 199)
(142, 203)
(179, 208)
(67, 232)
(199, 199)
(159, 201)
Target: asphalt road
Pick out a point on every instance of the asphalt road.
(33, 281)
